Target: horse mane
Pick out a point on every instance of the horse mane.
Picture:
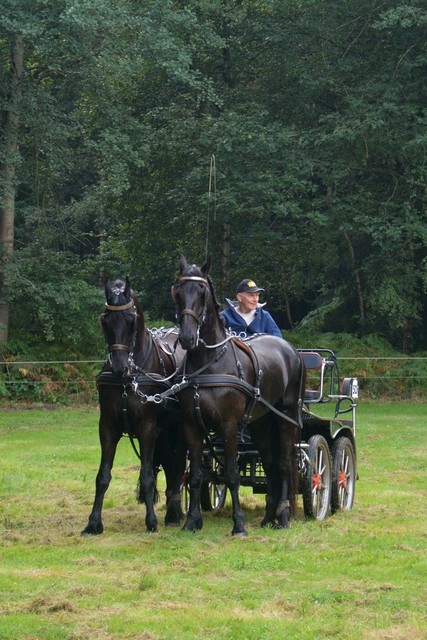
(213, 294)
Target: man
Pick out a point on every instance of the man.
(246, 314)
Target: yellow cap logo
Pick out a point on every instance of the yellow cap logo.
(251, 283)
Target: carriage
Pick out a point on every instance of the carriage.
(326, 450)
(244, 413)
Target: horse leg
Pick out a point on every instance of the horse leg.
(232, 480)
(147, 493)
(262, 436)
(194, 519)
(269, 519)
(108, 450)
(174, 460)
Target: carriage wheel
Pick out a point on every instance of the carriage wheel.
(316, 482)
(212, 495)
(213, 492)
(343, 475)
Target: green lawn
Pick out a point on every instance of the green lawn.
(359, 575)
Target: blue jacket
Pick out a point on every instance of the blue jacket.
(262, 322)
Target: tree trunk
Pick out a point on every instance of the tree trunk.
(356, 275)
(8, 173)
(286, 298)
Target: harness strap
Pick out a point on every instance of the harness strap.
(202, 427)
(126, 422)
(218, 380)
(227, 380)
(108, 378)
(247, 348)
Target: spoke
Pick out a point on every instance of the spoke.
(345, 462)
(320, 460)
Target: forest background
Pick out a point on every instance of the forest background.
(285, 139)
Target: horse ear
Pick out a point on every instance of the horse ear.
(207, 266)
(173, 293)
(183, 264)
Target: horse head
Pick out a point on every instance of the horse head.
(119, 325)
(191, 297)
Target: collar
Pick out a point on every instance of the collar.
(233, 304)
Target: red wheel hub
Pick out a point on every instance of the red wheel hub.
(317, 482)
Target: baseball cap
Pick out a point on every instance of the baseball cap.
(248, 286)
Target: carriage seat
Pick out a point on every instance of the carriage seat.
(314, 362)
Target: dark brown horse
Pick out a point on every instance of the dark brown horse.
(230, 384)
(140, 365)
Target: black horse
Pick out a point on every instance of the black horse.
(228, 384)
(139, 367)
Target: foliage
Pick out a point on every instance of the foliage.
(54, 305)
(41, 374)
(315, 113)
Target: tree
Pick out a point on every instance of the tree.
(314, 113)
(8, 170)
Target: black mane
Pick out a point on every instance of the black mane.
(213, 294)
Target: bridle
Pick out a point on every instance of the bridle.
(129, 348)
(200, 319)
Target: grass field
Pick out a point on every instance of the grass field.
(359, 575)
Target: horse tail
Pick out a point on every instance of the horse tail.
(294, 474)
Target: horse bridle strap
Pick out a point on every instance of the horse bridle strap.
(194, 279)
(121, 307)
(190, 312)
(119, 347)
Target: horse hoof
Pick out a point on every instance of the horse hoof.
(92, 531)
(193, 526)
(173, 521)
(239, 534)
(284, 522)
(188, 529)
